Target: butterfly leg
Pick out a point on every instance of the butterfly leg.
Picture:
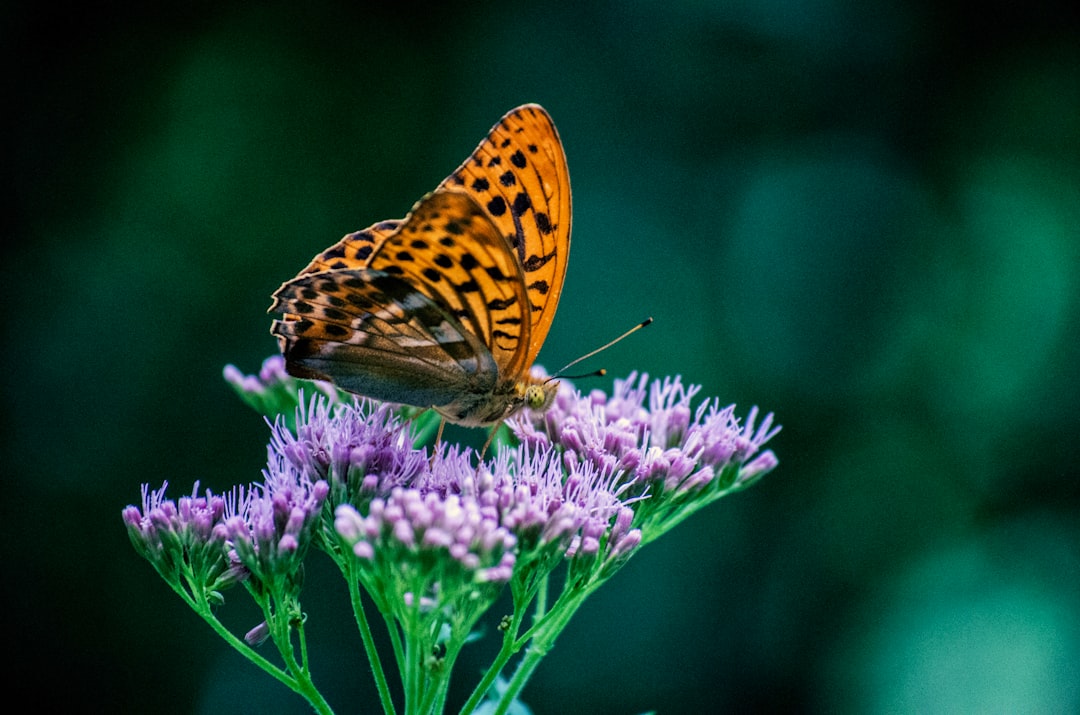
(487, 443)
(438, 441)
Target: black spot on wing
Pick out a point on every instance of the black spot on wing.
(360, 301)
(543, 223)
(469, 286)
(522, 202)
(335, 330)
(501, 304)
(536, 262)
(540, 287)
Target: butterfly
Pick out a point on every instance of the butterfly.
(448, 307)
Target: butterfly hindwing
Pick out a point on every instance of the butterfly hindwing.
(355, 249)
(374, 334)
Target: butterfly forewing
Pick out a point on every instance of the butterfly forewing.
(449, 249)
(518, 174)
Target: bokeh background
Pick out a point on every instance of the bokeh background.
(863, 216)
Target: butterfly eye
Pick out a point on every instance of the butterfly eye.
(538, 397)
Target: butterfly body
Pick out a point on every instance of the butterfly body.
(448, 307)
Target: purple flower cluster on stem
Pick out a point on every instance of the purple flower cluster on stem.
(433, 539)
(185, 540)
(361, 449)
(670, 456)
(273, 528)
(443, 549)
(272, 392)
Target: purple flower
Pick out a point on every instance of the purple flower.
(183, 539)
(270, 530)
(547, 507)
(362, 448)
(436, 543)
(257, 635)
(593, 478)
(650, 433)
(273, 391)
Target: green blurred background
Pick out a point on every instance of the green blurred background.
(864, 216)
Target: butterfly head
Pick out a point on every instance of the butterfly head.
(538, 396)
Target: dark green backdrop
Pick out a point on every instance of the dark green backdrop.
(864, 216)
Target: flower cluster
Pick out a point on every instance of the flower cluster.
(573, 484)
(650, 434)
(272, 529)
(449, 552)
(574, 512)
(272, 392)
(432, 539)
(185, 540)
(363, 449)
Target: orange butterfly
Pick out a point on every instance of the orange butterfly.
(448, 307)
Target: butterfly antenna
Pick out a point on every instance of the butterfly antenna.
(587, 355)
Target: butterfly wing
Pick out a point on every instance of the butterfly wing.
(518, 175)
(451, 251)
(439, 312)
(355, 249)
(374, 334)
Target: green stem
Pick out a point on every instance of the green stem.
(523, 594)
(506, 652)
(541, 638)
(369, 641)
(301, 672)
(413, 672)
(300, 685)
(438, 684)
